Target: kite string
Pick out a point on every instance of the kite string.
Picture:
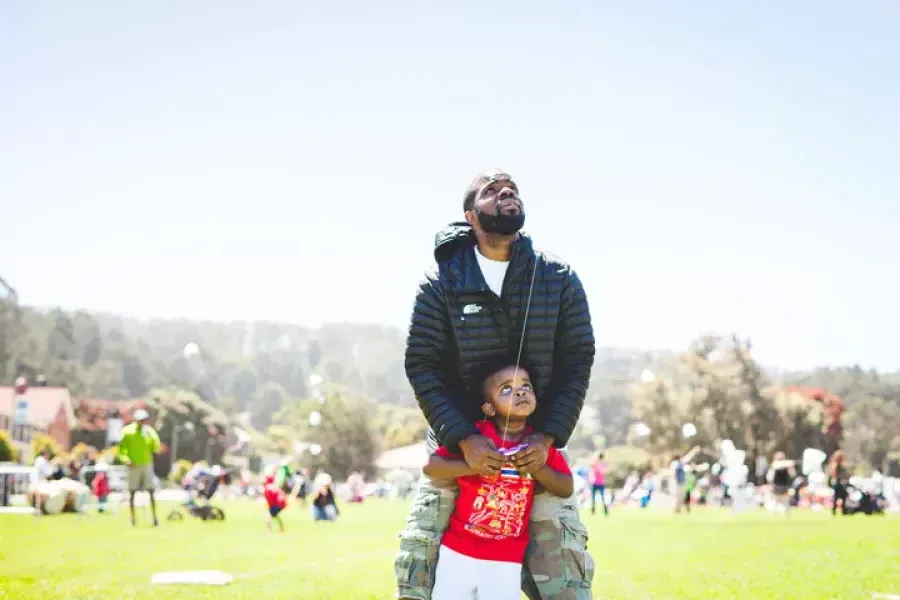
(521, 346)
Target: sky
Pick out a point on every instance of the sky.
(704, 166)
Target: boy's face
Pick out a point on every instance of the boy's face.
(509, 394)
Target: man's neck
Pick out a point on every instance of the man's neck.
(495, 246)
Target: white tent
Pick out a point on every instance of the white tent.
(414, 456)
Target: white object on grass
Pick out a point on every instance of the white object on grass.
(641, 430)
(688, 430)
(315, 418)
(192, 578)
(315, 449)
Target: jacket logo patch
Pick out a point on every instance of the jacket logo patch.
(471, 309)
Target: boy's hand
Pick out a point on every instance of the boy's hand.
(535, 455)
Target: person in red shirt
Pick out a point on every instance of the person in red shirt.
(484, 545)
(100, 486)
(598, 483)
(276, 499)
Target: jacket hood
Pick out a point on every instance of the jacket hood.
(451, 238)
(458, 235)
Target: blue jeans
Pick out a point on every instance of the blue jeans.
(601, 489)
(324, 513)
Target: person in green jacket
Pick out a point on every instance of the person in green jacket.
(139, 443)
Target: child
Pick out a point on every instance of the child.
(276, 499)
(100, 486)
(484, 545)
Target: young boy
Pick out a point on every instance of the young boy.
(276, 499)
(100, 486)
(484, 545)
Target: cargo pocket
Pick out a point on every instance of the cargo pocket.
(415, 565)
(578, 564)
(420, 541)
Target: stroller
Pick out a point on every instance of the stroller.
(200, 491)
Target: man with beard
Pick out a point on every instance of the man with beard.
(492, 293)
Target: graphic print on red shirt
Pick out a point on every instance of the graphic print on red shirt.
(490, 520)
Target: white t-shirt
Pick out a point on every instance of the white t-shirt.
(493, 270)
(43, 468)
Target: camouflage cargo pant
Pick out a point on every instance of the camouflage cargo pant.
(557, 563)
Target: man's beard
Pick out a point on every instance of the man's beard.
(500, 223)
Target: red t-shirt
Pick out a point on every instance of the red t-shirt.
(599, 473)
(100, 485)
(490, 520)
(275, 496)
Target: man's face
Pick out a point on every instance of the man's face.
(497, 209)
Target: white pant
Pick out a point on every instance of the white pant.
(461, 577)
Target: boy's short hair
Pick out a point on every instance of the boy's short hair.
(493, 365)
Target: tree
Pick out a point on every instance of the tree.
(41, 442)
(623, 460)
(345, 433)
(873, 433)
(8, 451)
(270, 399)
(718, 386)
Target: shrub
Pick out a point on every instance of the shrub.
(110, 456)
(8, 450)
(81, 449)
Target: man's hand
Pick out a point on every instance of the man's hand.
(481, 454)
(532, 458)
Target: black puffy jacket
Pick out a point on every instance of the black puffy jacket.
(458, 322)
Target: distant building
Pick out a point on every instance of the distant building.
(49, 411)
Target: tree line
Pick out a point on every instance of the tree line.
(256, 376)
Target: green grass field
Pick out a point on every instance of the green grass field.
(708, 554)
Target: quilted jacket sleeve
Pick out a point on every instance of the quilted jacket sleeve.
(429, 354)
(572, 362)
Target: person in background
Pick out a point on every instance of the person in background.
(781, 475)
(58, 472)
(689, 483)
(43, 467)
(323, 505)
(301, 485)
(276, 500)
(677, 472)
(598, 483)
(647, 486)
(283, 476)
(74, 471)
(139, 443)
(839, 479)
(100, 486)
(356, 483)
